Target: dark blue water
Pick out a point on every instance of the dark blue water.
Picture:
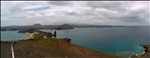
(121, 41)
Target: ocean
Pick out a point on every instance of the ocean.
(120, 41)
(12, 35)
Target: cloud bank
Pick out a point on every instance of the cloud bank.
(75, 12)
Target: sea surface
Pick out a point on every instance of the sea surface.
(120, 41)
(12, 35)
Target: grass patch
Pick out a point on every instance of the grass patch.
(38, 37)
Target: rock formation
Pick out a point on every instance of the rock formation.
(55, 34)
(67, 40)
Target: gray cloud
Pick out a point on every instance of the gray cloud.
(123, 11)
(109, 5)
(99, 13)
(60, 3)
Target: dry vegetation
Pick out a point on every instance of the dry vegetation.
(55, 48)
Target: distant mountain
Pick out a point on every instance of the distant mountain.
(64, 26)
(36, 25)
(56, 27)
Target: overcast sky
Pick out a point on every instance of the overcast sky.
(75, 12)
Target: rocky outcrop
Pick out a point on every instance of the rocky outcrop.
(147, 48)
(55, 34)
(64, 26)
(67, 39)
(146, 54)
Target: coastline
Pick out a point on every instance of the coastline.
(146, 53)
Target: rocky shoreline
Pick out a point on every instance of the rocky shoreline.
(146, 52)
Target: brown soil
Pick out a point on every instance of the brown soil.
(5, 49)
(55, 48)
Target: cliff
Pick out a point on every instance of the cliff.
(55, 48)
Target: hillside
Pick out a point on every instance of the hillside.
(55, 48)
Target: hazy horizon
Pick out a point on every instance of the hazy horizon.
(128, 13)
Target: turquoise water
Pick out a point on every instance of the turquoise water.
(12, 35)
(121, 41)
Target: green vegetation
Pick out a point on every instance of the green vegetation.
(38, 36)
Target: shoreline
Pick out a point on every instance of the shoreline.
(146, 52)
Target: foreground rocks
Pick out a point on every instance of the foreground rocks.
(55, 48)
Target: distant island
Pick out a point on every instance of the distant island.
(53, 27)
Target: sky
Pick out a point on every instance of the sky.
(129, 13)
